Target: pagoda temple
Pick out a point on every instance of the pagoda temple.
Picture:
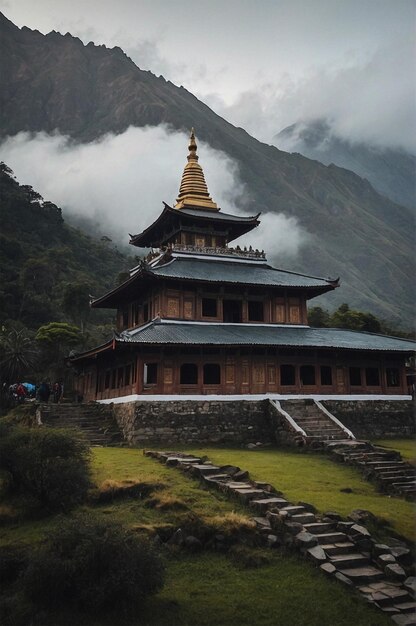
(199, 316)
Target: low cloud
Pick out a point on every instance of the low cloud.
(367, 100)
(120, 181)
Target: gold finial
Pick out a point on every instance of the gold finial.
(192, 147)
(193, 191)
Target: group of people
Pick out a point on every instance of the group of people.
(19, 392)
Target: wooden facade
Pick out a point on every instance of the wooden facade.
(219, 304)
(195, 371)
(194, 279)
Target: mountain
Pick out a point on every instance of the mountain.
(390, 171)
(42, 260)
(54, 82)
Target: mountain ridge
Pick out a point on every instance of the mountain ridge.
(390, 171)
(55, 82)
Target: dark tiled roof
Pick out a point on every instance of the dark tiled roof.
(160, 332)
(218, 215)
(242, 273)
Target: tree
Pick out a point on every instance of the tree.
(48, 465)
(18, 355)
(94, 566)
(56, 339)
(344, 317)
(76, 303)
(318, 317)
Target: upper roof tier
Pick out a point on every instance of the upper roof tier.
(193, 191)
(174, 266)
(194, 211)
(171, 221)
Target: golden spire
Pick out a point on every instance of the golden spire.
(193, 191)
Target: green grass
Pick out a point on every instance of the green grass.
(406, 447)
(316, 479)
(209, 588)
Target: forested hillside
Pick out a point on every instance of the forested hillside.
(47, 268)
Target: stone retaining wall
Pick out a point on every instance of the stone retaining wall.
(242, 421)
(189, 421)
(375, 418)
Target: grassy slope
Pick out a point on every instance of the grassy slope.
(406, 447)
(208, 588)
(316, 479)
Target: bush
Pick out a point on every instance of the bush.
(51, 466)
(92, 566)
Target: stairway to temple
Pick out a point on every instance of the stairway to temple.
(314, 421)
(342, 549)
(385, 467)
(94, 421)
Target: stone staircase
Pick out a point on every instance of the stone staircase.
(94, 421)
(384, 467)
(317, 423)
(341, 549)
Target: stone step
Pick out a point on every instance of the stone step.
(386, 463)
(365, 574)
(266, 504)
(248, 494)
(351, 560)
(395, 474)
(333, 549)
(406, 607)
(397, 478)
(335, 537)
(202, 469)
(303, 518)
(318, 528)
(293, 509)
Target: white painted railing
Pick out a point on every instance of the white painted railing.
(336, 421)
(276, 404)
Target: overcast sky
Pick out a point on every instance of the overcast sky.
(263, 64)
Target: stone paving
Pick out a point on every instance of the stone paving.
(341, 549)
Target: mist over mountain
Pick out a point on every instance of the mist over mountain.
(392, 172)
(53, 83)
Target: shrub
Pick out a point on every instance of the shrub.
(51, 466)
(92, 566)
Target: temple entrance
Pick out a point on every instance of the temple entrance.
(232, 311)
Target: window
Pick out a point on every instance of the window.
(232, 311)
(326, 375)
(287, 375)
(189, 374)
(145, 312)
(107, 379)
(393, 377)
(212, 374)
(209, 307)
(307, 374)
(150, 373)
(127, 375)
(255, 311)
(372, 376)
(355, 377)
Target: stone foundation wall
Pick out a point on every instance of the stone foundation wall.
(375, 418)
(189, 422)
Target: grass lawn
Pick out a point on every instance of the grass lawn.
(406, 447)
(316, 479)
(209, 588)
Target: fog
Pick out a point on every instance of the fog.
(120, 181)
